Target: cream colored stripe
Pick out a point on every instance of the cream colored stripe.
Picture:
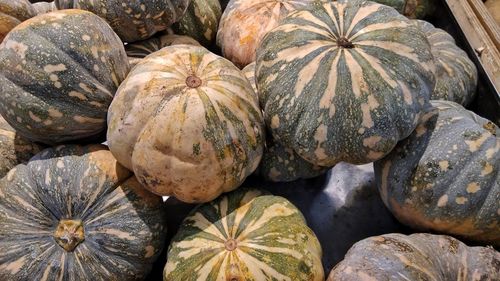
(195, 246)
(326, 98)
(358, 83)
(377, 65)
(273, 211)
(331, 14)
(393, 47)
(296, 53)
(276, 250)
(379, 26)
(200, 222)
(260, 270)
(313, 19)
(205, 269)
(224, 215)
(308, 72)
(362, 13)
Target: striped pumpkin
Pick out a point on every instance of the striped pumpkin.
(73, 213)
(200, 21)
(421, 256)
(414, 9)
(249, 72)
(57, 79)
(14, 149)
(343, 81)
(12, 13)
(245, 235)
(187, 122)
(445, 176)
(245, 22)
(456, 74)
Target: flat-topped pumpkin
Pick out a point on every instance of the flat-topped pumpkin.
(187, 122)
(57, 79)
(12, 13)
(74, 213)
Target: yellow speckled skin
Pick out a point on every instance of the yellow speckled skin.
(12, 13)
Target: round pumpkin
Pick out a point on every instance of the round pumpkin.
(14, 149)
(12, 13)
(456, 74)
(347, 93)
(187, 122)
(200, 21)
(57, 79)
(414, 9)
(133, 20)
(247, 234)
(445, 176)
(44, 7)
(73, 213)
(421, 256)
(245, 22)
(143, 48)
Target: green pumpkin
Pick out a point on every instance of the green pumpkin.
(14, 149)
(44, 7)
(143, 48)
(247, 234)
(249, 72)
(200, 21)
(456, 74)
(188, 123)
(57, 79)
(444, 177)
(12, 13)
(414, 9)
(73, 213)
(133, 20)
(347, 93)
(421, 256)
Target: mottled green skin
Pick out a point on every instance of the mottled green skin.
(414, 9)
(44, 7)
(146, 47)
(57, 79)
(14, 149)
(398, 257)
(249, 72)
(331, 104)
(200, 21)
(273, 241)
(133, 20)
(456, 74)
(12, 13)
(445, 176)
(123, 223)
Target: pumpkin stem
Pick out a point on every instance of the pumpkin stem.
(344, 43)
(193, 81)
(231, 245)
(69, 234)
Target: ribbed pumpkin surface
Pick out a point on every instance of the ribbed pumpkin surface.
(12, 13)
(445, 176)
(57, 79)
(245, 235)
(398, 257)
(73, 213)
(456, 74)
(343, 81)
(187, 122)
(200, 21)
(143, 48)
(414, 9)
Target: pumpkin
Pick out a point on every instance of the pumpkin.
(247, 234)
(143, 48)
(57, 79)
(343, 94)
(456, 74)
(14, 149)
(414, 9)
(73, 213)
(418, 256)
(133, 20)
(200, 21)
(249, 72)
(187, 122)
(44, 7)
(245, 22)
(12, 13)
(444, 177)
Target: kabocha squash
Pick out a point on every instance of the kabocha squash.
(245, 235)
(343, 81)
(414, 9)
(57, 79)
(456, 74)
(14, 149)
(187, 122)
(398, 257)
(143, 48)
(12, 13)
(200, 21)
(245, 22)
(133, 20)
(73, 213)
(445, 176)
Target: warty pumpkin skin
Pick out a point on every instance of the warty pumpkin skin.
(445, 176)
(247, 234)
(57, 79)
(399, 257)
(200, 21)
(187, 122)
(12, 13)
(245, 22)
(73, 213)
(347, 93)
(456, 74)
(414, 9)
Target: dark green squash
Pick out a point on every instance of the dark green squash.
(73, 213)
(57, 79)
(12, 13)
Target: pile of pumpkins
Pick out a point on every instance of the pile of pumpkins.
(192, 97)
